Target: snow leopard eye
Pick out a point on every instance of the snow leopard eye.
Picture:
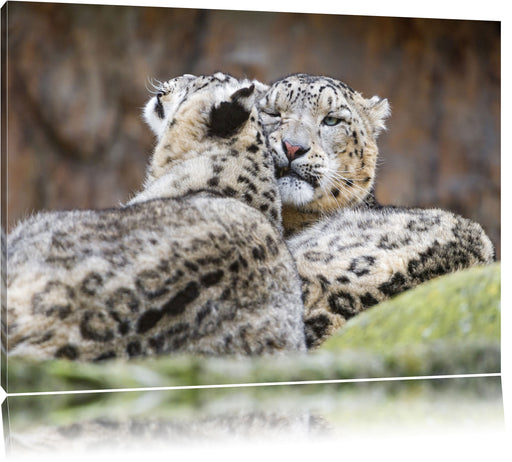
(331, 121)
(271, 114)
(270, 120)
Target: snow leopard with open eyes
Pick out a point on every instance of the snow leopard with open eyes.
(351, 253)
(199, 266)
(323, 137)
(357, 258)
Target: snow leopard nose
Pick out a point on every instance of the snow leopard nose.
(293, 151)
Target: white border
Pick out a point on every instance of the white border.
(490, 10)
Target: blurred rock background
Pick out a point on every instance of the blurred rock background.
(77, 77)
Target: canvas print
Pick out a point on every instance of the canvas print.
(204, 197)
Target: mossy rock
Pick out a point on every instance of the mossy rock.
(449, 325)
(340, 404)
(459, 307)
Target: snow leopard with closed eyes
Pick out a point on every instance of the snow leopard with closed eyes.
(199, 266)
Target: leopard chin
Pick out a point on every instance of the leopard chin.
(294, 190)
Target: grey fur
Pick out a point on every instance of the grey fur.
(355, 259)
(203, 269)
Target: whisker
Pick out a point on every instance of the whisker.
(341, 177)
(329, 186)
(155, 88)
(342, 180)
(350, 171)
(334, 179)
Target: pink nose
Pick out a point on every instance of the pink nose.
(292, 151)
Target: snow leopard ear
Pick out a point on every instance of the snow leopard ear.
(229, 116)
(378, 110)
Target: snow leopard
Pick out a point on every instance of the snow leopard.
(202, 268)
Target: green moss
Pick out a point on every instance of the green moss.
(346, 402)
(460, 307)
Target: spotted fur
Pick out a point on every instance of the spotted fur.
(323, 138)
(194, 263)
(354, 259)
(180, 126)
(351, 253)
